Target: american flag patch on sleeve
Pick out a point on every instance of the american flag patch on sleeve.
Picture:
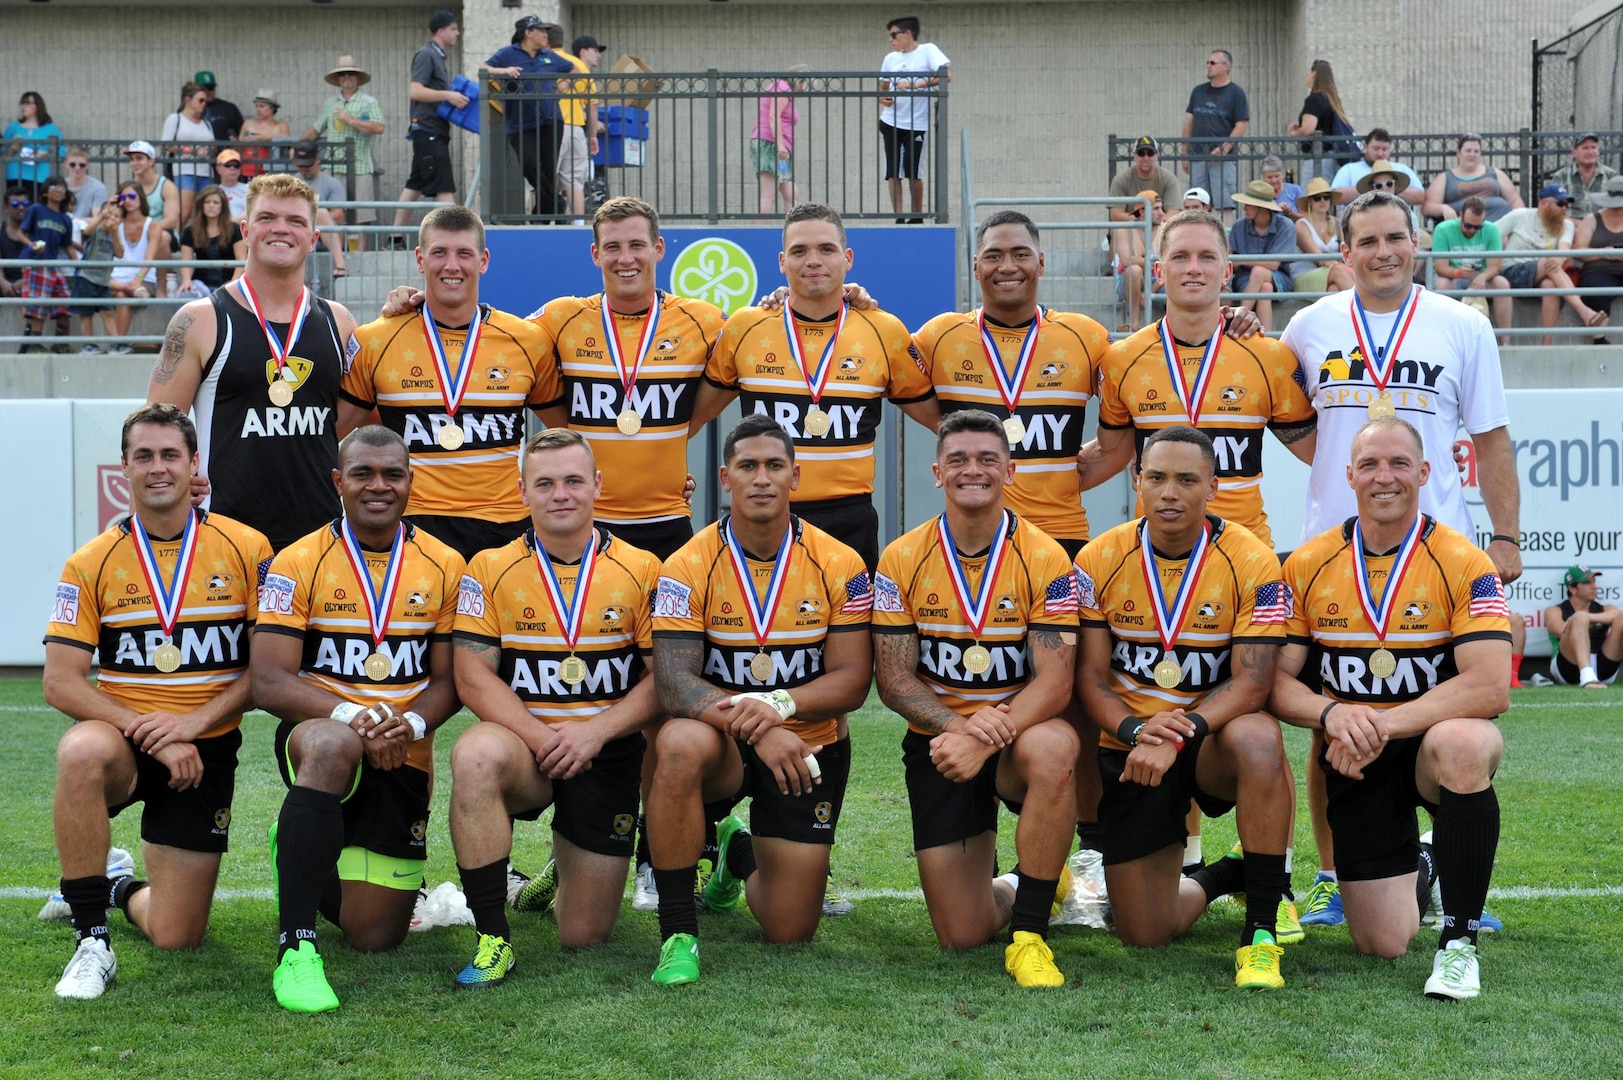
(1488, 598)
(1274, 604)
(858, 595)
(1060, 598)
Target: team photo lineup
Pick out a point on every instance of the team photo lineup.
(450, 506)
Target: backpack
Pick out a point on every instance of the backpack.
(1343, 142)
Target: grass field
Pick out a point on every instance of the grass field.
(872, 996)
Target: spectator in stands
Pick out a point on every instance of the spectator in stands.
(1545, 227)
(28, 150)
(1127, 257)
(223, 117)
(49, 229)
(1320, 115)
(86, 192)
(1146, 173)
(213, 235)
(1262, 230)
(1385, 176)
(1217, 109)
(533, 124)
(1602, 229)
(1197, 198)
(260, 131)
(1317, 233)
(136, 243)
(430, 132)
(186, 138)
(329, 189)
(1470, 176)
(228, 163)
(1377, 147)
(90, 282)
(772, 143)
(356, 118)
(1584, 175)
(1471, 231)
(582, 126)
(904, 119)
(162, 197)
(12, 241)
(1285, 193)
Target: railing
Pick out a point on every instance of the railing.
(695, 164)
(1575, 76)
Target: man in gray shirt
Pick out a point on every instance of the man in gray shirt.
(431, 173)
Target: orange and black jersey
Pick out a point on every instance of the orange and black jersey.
(504, 602)
(513, 370)
(1238, 597)
(312, 593)
(827, 591)
(873, 359)
(1252, 387)
(1450, 594)
(1052, 404)
(643, 474)
(1035, 589)
(103, 604)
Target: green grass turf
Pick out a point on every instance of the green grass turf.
(872, 996)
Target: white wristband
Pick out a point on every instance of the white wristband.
(419, 726)
(780, 701)
(345, 711)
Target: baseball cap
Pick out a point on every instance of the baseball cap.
(1198, 193)
(528, 22)
(586, 41)
(1577, 574)
(440, 20)
(305, 152)
(140, 146)
(1554, 191)
(225, 156)
(1145, 142)
(1585, 137)
(205, 78)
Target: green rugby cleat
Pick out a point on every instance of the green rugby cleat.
(678, 961)
(300, 981)
(724, 891)
(492, 962)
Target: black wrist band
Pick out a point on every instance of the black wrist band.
(1325, 714)
(1201, 726)
(1511, 540)
(1127, 731)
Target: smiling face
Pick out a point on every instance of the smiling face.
(560, 487)
(281, 231)
(451, 264)
(1194, 267)
(373, 483)
(159, 468)
(628, 253)
(1387, 471)
(760, 477)
(972, 468)
(1380, 247)
(1008, 267)
(814, 259)
(196, 104)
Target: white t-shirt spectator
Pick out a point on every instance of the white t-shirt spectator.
(179, 128)
(236, 197)
(1525, 230)
(912, 111)
(1447, 375)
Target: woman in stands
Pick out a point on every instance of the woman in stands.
(1316, 234)
(1320, 112)
(211, 234)
(1470, 176)
(134, 244)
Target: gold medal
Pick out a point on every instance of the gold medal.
(1382, 409)
(378, 667)
(1015, 429)
(1382, 664)
(977, 660)
(817, 422)
(281, 393)
(761, 667)
(451, 437)
(1168, 674)
(167, 658)
(573, 670)
(628, 421)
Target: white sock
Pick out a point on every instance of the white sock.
(1191, 850)
(1011, 879)
(1587, 676)
(1327, 875)
(1290, 854)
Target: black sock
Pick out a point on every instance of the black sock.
(1265, 881)
(678, 914)
(741, 855)
(331, 906)
(711, 849)
(122, 889)
(309, 839)
(486, 890)
(1464, 839)
(1425, 874)
(87, 899)
(1220, 878)
(642, 855)
(1033, 900)
(1089, 833)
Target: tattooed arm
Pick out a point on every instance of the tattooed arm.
(1048, 691)
(482, 690)
(186, 344)
(678, 660)
(1251, 679)
(896, 665)
(1300, 439)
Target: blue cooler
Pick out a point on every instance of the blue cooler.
(625, 137)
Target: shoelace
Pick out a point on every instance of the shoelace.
(1457, 963)
(1318, 897)
(489, 948)
(1033, 954)
(1263, 959)
(85, 962)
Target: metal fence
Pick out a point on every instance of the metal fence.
(1578, 77)
(694, 160)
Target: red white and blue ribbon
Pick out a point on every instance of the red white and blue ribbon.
(1378, 614)
(1380, 365)
(977, 602)
(167, 595)
(570, 613)
(1168, 619)
(761, 610)
(452, 385)
(1190, 395)
(611, 339)
(279, 352)
(379, 602)
(815, 381)
(1009, 384)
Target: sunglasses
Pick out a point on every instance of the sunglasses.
(1384, 185)
(1144, 153)
(230, 165)
(1469, 229)
(18, 204)
(78, 164)
(1563, 203)
(128, 196)
(1213, 63)
(896, 33)
(1326, 197)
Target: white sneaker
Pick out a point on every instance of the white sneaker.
(516, 880)
(645, 896)
(120, 864)
(1455, 974)
(89, 972)
(90, 350)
